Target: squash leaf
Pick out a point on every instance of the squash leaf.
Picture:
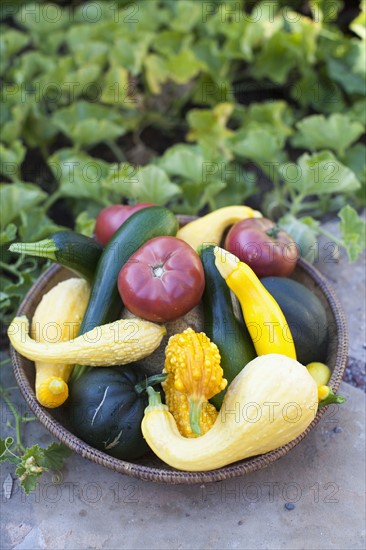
(87, 123)
(79, 175)
(84, 224)
(321, 174)
(353, 231)
(53, 456)
(358, 25)
(17, 197)
(183, 160)
(348, 68)
(257, 144)
(355, 159)
(337, 132)
(35, 225)
(12, 157)
(8, 234)
(208, 127)
(36, 460)
(146, 184)
(11, 42)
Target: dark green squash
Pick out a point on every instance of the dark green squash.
(220, 324)
(305, 316)
(106, 407)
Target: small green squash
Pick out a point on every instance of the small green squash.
(305, 315)
(106, 408)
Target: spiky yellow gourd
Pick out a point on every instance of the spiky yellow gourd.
(194, 376)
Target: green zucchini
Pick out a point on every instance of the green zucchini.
(72, 250)
(220, 324)
(305, 315)
(105, 303)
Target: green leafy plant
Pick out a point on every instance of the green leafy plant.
(33, 461)
(191, 104)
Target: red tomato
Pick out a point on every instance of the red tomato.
(112, 217)
(163, 280)
(267, 249)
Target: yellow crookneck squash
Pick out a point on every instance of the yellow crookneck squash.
(119, 343)
(58, 317)
(210, 228)
(270, 403)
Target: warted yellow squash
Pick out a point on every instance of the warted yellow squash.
(194, 376)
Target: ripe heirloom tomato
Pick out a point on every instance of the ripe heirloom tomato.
(111, 218)
(266, 248)
(163, 280)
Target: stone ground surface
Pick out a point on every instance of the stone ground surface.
(90, 507)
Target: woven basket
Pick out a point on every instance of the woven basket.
(150, 467)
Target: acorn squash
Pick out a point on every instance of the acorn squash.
(107, 407)
(305, 315)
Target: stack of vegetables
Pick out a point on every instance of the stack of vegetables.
(235, 390)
